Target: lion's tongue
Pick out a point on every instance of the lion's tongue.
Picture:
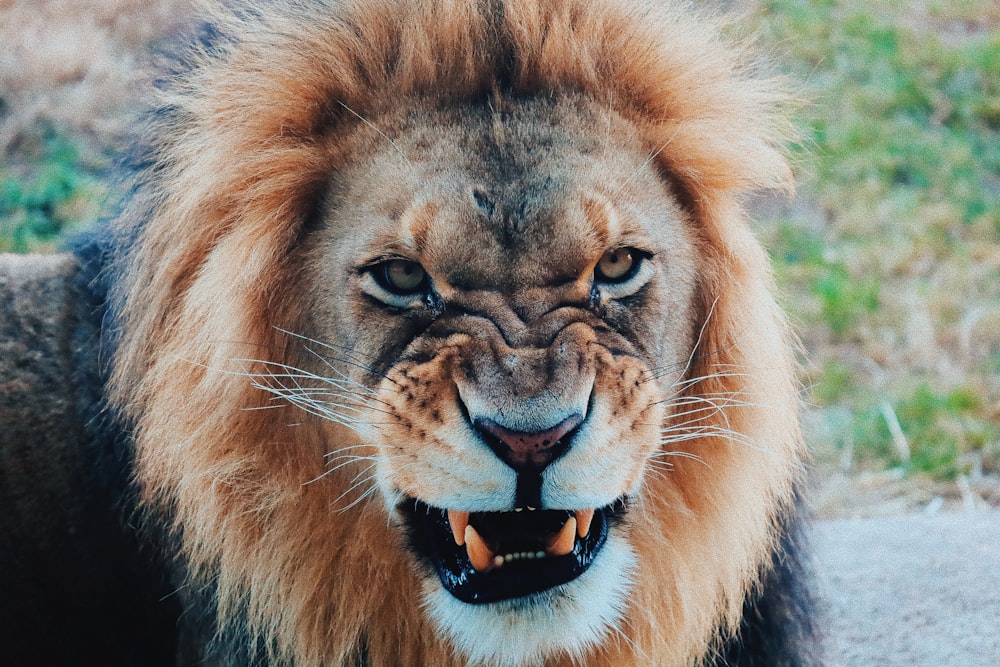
(488, 554)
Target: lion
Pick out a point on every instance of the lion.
(433, 333)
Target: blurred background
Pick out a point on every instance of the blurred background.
(888, 258)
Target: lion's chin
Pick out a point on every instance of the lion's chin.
(567, 619)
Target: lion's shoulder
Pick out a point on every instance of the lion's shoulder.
(69, 568)
(36, 366)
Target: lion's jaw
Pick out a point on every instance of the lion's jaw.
(571, 618)
(513, 338)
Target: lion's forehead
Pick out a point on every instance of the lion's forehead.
(527, 197)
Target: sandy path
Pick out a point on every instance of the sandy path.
(911, 591)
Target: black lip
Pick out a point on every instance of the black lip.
(432, 539)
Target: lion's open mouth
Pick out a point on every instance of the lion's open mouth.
(485, 557)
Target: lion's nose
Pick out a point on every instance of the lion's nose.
(528, 452)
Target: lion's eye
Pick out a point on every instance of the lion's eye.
(617, 266)
(622, 272)
(400, 276)
(401, 283)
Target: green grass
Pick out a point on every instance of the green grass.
(945, 433)
(50, 191)
(902, 117)
(890, 268)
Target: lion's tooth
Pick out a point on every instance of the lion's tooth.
(563, 543)
(583, 520)
(458, 520)
(479, 554)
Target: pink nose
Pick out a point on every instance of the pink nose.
(528, 451)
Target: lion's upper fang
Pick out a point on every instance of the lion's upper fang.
(522, 543)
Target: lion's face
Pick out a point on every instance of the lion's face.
(497, 252)
(512, 290)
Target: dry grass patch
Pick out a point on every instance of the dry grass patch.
(71, 72)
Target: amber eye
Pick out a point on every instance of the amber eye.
(400, 276)
(617, 265)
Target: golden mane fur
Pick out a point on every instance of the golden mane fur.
(248, 142)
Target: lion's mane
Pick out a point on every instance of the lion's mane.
(243, 147)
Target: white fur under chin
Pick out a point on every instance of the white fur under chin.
(521, 633)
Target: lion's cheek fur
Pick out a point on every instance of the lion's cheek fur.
(426, 448)
(295, 562)
(709, 524)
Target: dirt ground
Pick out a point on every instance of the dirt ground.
(910, 591)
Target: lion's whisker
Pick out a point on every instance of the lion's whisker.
(365, 445)
(332, 469)
(364, 495)
(683, 385)
(337, 418)
(684, 434)
(711, 406)
(358, 363)
(294, 372)
(296, 395)
(345, 378)
(345, 410)
(660, 455)
(649, 158)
